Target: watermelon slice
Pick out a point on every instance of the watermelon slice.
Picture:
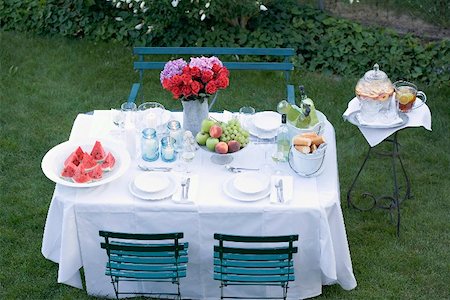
(69, 170)
(96, 173)
(73, 158)
(88, 162)
(79, 152)
(109, 162)
(81, 176)
(98, 153)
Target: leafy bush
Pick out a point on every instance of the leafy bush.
(323, 43)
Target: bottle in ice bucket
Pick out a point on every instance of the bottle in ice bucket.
(303, 116)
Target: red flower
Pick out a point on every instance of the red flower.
(186, 78)
(215, 68)
(211, 87)
(222, 82)
(176, 91)
(166, 84)
(196, 86)
(187, 91)
(207, 75)
(196, 72)
(223, 72)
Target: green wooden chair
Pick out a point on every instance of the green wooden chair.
(145, 257)
(241, 263)
(264, 59)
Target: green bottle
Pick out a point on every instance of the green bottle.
(304, 118)
(305, 101)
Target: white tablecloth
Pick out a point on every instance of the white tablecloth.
(77, 214)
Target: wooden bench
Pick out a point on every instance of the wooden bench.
(283, 54)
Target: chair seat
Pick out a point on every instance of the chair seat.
(141, 257)
(238, 263)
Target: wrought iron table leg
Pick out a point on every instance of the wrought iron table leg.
(395, 199)
(349, 201)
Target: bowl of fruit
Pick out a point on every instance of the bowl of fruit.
(223, 138)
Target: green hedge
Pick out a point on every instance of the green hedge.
(323, 43)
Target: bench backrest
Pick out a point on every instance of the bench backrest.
(284, 65)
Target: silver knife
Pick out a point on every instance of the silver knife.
(155, 169)
(188, 181)
(280, 183)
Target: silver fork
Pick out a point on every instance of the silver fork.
(183, 189)
(278, 187)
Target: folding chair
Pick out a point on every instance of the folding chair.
(241, 263)
(145, 257)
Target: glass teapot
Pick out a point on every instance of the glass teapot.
(374, 92)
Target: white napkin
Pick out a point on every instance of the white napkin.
(420, 116)
(193, 189)
(227, 116)
(396, 120)
(102, 124)
(288, 188)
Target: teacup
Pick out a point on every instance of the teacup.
(406, 94)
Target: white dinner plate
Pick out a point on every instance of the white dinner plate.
(267, 121)
(250, 182)
(151, 182)
(232, 192)
(53, 161)
(253, 130)
(161, 195)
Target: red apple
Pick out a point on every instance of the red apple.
(221, 147)
(233, 146)
(215, 131)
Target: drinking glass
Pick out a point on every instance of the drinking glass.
(406, 94)
(187, 156)
(128, 110)
(245, 114)
(150, 115)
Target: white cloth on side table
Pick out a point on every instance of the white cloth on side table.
(418, 117)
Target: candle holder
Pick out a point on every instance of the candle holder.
(168, 153)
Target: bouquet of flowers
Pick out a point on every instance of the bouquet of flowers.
(202, 77)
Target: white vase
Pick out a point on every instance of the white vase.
(194, 112)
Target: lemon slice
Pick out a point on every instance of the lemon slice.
(406, 98)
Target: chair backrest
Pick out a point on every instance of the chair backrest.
(261, 265)
(284, 65)
(144, 257)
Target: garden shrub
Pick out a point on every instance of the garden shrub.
(323, 43)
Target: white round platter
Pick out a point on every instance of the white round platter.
(53, 161)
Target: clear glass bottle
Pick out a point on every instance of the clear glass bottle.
(149, 145)
(283, 141)
(176, 133)
(168, 153)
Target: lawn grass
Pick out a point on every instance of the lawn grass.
(45, 82)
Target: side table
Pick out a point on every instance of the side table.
(394, 199)
(375, 136)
